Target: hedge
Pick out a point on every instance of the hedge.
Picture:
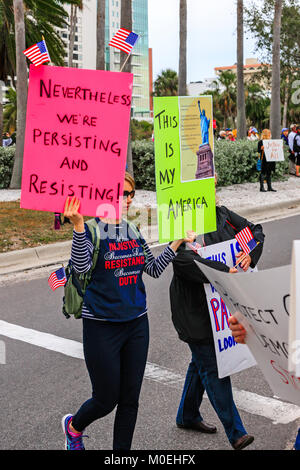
(235, 163)
(7, 155)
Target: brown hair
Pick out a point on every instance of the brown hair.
(129, 179)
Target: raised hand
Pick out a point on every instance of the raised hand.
(72, 212)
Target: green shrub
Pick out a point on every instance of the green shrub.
(7, 155)
(143, 164)
(235, 163)
(141, 130)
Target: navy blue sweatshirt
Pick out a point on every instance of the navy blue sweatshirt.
(116, 292)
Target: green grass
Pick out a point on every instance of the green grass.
(24, 228)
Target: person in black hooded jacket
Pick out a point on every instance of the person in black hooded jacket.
(191, 320)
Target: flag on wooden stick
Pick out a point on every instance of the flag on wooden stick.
(124, 40)
(38, 53)
(246, 240)
(57, 278)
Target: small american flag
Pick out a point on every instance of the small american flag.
(194, 246)
(38, 53)
(58, 278)
(246, 240)
(124, 40)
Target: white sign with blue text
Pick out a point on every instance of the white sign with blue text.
(294, 319)
(261, 302)
(231, 357)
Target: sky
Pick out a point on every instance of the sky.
(211, 36)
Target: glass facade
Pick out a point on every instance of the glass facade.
(139, 56)
(84, 54)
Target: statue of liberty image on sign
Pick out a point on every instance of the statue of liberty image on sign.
(205, 166)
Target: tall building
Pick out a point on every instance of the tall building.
(251, 67)
(84, 53)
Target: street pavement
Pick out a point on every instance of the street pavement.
(37, 374)
(44, 374)
(245, 199)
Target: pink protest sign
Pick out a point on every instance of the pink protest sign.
(76, 139)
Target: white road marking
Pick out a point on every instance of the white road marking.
(271, 408)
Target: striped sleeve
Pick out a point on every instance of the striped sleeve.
(155, 266)
(81, 252)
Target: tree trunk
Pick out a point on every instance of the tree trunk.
(182, 48)
(100, 60)
(22, 86)
(241, 108)
(73, 21)
(1, 112)
(126, 22)
(275, 118)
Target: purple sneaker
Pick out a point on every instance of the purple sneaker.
(72, 442)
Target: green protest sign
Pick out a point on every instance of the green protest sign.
(184, 167)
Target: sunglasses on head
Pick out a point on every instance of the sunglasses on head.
(128, 193)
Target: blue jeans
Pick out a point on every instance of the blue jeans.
(202, 375)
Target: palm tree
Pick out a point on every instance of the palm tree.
(257, 105)
(126, 22)
(10, 111)
(182, 48)
(227, 99)
(7, 53)
(42, 18)
(73, 22)
(241, 114)
(100, 60)
(21, 69)
(166, 84)
(275, 118)
(37, 18)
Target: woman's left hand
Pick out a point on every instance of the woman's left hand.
(245, 264)
(190, 236)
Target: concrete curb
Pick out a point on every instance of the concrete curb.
(30, 258)
(56, 253)
(248, 211)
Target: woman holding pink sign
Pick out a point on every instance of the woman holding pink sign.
(115, 323)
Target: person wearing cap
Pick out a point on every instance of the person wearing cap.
(230, 137)
(284, 135)
(222, 135)
(252, 134)
(292, 158)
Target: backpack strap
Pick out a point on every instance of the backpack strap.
(96, 237)
(296, 147)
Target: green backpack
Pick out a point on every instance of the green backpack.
(77, 283)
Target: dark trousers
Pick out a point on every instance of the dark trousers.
(266, 173)
(202, 375)
(115, 355)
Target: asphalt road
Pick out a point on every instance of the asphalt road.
(39, 386)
